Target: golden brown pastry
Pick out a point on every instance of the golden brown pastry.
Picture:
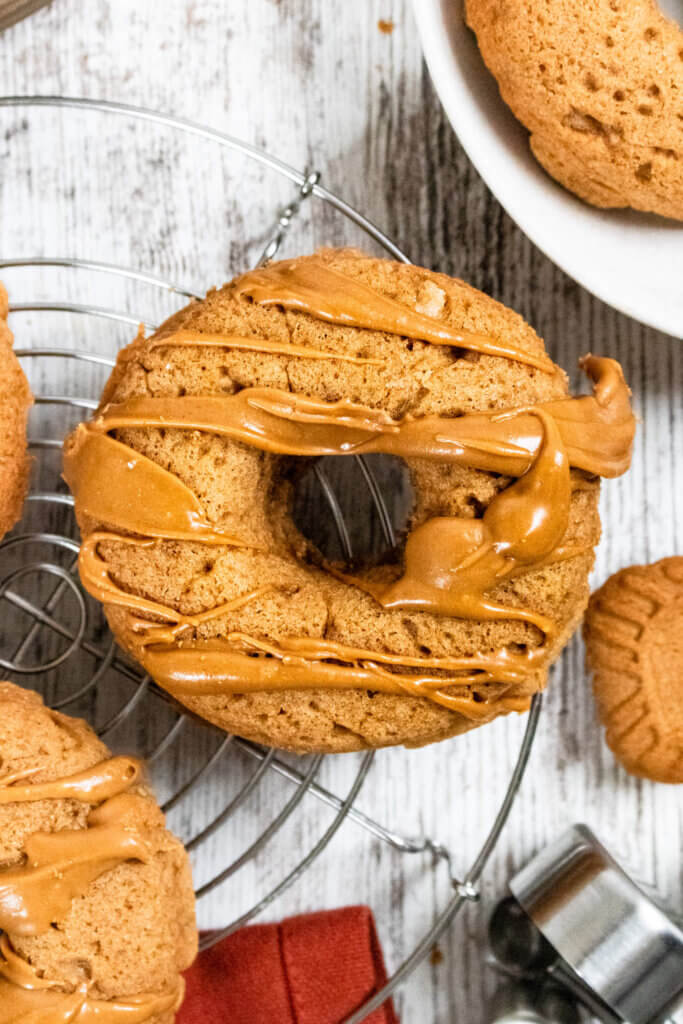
(96, 900)
(634, 642)
(599, 87)
(15, 401)
(183, 488)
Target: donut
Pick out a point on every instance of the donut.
(599, 86)
(15, 400)
(634, 646)
(183, 486)
(96, 901)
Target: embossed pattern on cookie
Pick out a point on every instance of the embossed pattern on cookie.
(634, 642)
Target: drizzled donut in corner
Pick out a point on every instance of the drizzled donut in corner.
(183, 491)
(599, 87)
(96, 902)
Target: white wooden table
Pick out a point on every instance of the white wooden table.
(317, 83)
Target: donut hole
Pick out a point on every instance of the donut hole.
(351, 498)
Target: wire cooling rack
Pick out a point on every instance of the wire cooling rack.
(53, 636)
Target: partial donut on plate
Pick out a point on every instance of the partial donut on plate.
(183, 485)
(96, 899)
(599, 85)
(15, 401)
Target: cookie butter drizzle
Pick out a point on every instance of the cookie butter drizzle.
(191, 339)
(58, 867)
(309, 286)
(451, 564)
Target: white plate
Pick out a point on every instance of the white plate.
(632, 261)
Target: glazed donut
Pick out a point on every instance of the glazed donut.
(96, 901)
(183, 486)
(15, 401)
(600, 87)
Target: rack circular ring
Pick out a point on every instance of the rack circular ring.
(41, 608)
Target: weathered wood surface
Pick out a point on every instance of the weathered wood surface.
(319, 85)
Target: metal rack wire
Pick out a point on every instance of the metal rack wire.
(53, 633)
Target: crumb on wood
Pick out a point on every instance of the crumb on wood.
(436, 956)
(387, 27)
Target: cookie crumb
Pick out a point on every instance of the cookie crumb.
(436, 956)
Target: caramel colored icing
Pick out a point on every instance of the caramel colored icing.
(57, 868)
(95, 570)
(451, 564)
(595, 431)
(195, 339)
(212, 667)
(164, 506)
(239, 663)
(229, 665)
(311, 287)
(28, 998)
(101, 782)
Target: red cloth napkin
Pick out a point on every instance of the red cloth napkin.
(313, 969)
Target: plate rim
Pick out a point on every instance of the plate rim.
(434, 33)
